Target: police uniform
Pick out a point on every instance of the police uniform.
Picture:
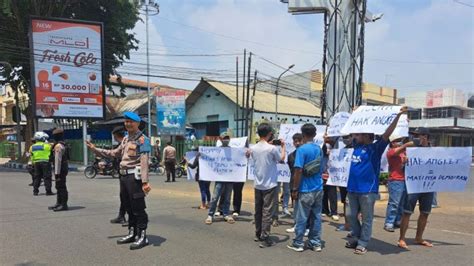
(134, 151)
(61, 168)
(40, 153)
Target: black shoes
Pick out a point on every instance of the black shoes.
(130, 238)
(266, 243)
(141, 241)
(54, 206)
(49, 193)
(35, 193)
(60, 208)
(118, 220)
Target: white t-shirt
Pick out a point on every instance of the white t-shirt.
(266, 157)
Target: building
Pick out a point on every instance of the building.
(212, 106)
(446, 112)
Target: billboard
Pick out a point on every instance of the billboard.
(67, 68)
(171, 112)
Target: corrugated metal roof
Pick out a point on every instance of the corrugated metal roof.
(265, 101)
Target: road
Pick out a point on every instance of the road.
(32, 235)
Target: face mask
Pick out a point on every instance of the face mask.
(225, 142)
(347, 141)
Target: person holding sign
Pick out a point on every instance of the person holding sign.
(396, 157)
(203, 185)
(363, 183)
(307, 190)
(266, 157)
(420, 139)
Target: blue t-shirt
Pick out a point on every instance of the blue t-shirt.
(365, 167)
(305, 154)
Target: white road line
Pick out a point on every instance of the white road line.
(455, 232)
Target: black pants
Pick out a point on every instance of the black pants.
(133, 198)
(265, 205)
(170, 165)
(61, 189)
(330, 200)
(42, 170)
(237, 199)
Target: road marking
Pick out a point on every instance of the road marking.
(456, 232)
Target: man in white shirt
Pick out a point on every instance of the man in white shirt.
(266, 157)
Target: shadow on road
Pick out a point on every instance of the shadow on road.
(30, 263)
(156, 241)
(75, 208)
(384, 248)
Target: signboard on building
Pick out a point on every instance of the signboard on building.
(171, 112)
(67, 68)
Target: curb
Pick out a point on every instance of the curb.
(23, 166)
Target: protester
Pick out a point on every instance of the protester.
(266, 157)
(420, 139)
(222, 192)
(363, 184)
(169, 160)
(347, 141)
(396, 157)
(330, 192)
(203, 185)
(307, 190)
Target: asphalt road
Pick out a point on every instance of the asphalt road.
(32, 235)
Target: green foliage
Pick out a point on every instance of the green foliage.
(383, 178)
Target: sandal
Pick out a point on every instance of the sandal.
(351, 245)
(425, 244)
(360, 250)
(403, 245)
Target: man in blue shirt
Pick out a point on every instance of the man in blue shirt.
(363, 183)
(307, 191)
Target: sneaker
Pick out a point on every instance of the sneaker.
(235, 214)
(208, 220)
(323, 215)
(290, 230)
(315, 248)
(229, 219)
(306, 233)
(389, 229)
(286, 212)
(266, 243)
(295, 248)
(335, 217)
(217, 213)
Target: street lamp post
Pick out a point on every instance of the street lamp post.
(151, 8)
(276, 91)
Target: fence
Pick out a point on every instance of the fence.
(8, 150)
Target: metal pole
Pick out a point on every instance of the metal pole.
(253, 102)
(276, 91)
(248, 96)
(148, 71)
(243, 97)
(18, 126)
(84, 137)
(237, 96)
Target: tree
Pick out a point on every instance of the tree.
(118, 16)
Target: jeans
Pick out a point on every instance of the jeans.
(396, 192)
(205, 192)
(265, 207)
(309, 203)
(286, 195)
(435, 199)
(362, 203)
(330, 200)
(219, 188)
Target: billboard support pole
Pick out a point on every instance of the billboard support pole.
(84, 137)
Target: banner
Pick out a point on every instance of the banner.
(67, 67)
(171, 112)
(336, 123)
(339, 165)
(234, 142)
(288, 130)
(222, 164)
(437, 169)
(190, 157)
(371, 119)
(284, 173)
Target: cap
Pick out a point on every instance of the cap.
(421, 131)
(225, 134)
(58, 131)
(395, 137)
(132, 116)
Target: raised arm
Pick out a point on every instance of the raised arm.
(404, 147)
(394, 123)
(113, 153)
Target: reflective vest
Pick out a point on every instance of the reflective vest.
(40, 152)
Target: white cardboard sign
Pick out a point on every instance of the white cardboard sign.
(437, 169)
(336, 123)
(371, 119)
(191, 156)
(339, 165)
(222, 164)
(288, 130)
(283, 169)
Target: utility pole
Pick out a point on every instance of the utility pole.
(248, 96)
(276, 91)
(237, 96)
(253, 104)
(243, 96)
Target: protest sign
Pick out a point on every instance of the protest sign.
(234, 142)
(339, 165)
(437, 169)
(190, 157)
(371, 119)
(336, 123)
(288, 130)
(384, 161)
(283, 169)
(402, 127)
(222, 164)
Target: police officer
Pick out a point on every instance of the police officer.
(60, 158)
(40, 152)
(119, 134)
(134, 150)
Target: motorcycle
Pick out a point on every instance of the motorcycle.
(102, 167)
(154, 166)
(181, 169)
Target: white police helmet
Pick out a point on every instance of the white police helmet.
(40, 136)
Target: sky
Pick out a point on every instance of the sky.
(417, 45)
